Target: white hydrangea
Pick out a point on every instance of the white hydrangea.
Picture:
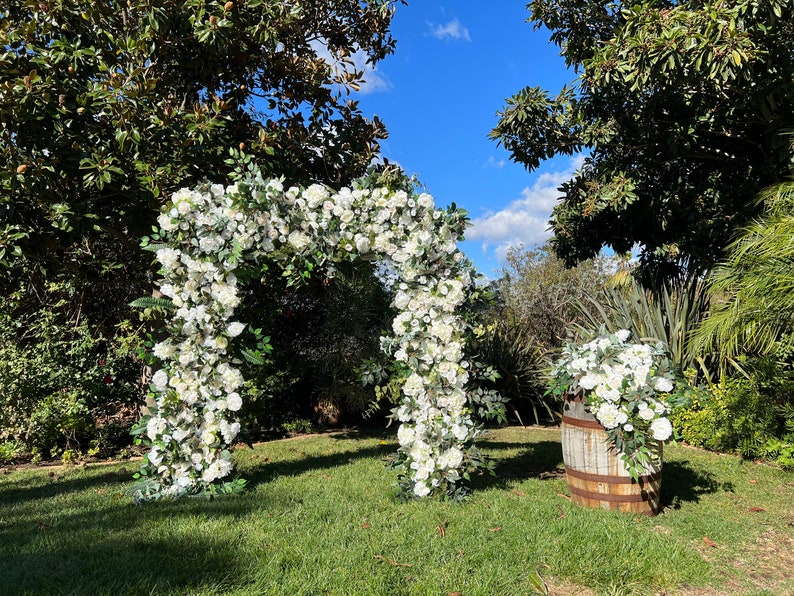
(169, 258)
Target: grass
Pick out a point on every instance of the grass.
(321, 517)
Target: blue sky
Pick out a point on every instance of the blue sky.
(438, 94)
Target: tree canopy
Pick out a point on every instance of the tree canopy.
(106, 106)
(679, 108)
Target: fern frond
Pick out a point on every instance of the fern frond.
(154, 247)
(252, 357)
(152, 302)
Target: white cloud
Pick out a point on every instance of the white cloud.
(524, 221)
(454, 29)
(492, 162)
(373, 80)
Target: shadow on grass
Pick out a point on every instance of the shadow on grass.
(541, 459)
(119, 550)
(110, 546)
(681, 483)
(266, 471)
(41, 486)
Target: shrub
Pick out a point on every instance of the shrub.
(66, 385)
(669, 314)
(511, 352)
(540, 295)
(321, 333)
(751, 413)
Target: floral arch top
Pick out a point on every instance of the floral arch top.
(209, 233)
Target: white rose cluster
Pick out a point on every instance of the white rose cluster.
(623, 381)
(207, 233)
(626, 385)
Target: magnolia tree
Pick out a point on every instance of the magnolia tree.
(212, 235)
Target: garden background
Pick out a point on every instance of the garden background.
(679, 117)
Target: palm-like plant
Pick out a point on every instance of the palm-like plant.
(669, 314)
(516, 356)
(753, 289)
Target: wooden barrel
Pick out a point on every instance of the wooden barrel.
(597, 476)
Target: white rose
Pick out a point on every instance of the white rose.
(663, 384)
(155, 427)
(578, 364)
(405, 434)
(661, 429)
(234, 329)
(160, 380)
(589, 381)
(413, 385)
(299, 240)
(421, 489)
(166, 222)
(362, 244)
(451, 458)
(623, 335)
(155, 456)
(234, 402)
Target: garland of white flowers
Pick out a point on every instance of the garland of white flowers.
(208, 233)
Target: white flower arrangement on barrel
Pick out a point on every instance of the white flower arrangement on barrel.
(624, 392)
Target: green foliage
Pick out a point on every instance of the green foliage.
(536, 306)
(539, 294)
(320, 334)
(108, 108)
(670, 315)
(519, 367)
(751, 414)
(753, 289)
(151, 303)
(10, 450)
(679, 107)
(300, 426)
(67, 385)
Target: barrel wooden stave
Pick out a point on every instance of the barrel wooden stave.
(597, 476)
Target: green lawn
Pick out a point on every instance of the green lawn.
(321, 517)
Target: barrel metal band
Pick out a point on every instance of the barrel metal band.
(611, 498)
(588, 477)
(582, 423)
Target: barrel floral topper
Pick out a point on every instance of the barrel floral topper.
(630, 388)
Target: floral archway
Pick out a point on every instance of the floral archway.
(208, 234)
